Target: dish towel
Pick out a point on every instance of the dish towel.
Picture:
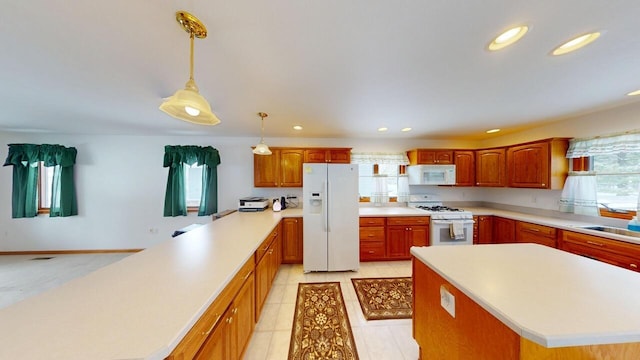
(456, 229)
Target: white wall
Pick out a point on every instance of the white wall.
(121, 182)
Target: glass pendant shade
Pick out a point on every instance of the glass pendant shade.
(262, 149)
(187, 104)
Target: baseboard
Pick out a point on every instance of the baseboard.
(40, 252)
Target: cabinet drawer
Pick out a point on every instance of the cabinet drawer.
(262, 249)
(536, 238)
(541, 230)
(372, 250)
(626, 262)
(372, 233)
(408, 220)
(596, 242)
(371, 221)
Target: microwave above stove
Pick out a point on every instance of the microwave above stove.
(432, 174)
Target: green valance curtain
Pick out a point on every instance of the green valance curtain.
(175, 157)
(25, 158)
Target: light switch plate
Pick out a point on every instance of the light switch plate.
(448, 301)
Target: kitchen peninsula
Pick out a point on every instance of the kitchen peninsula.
(522, 301)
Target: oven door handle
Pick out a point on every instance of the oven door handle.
(449, 222)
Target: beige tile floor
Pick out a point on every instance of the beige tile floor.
(375, 339)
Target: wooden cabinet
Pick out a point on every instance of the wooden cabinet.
(210, 338)
(618, 253)
(328, 155)
(268, 259)
(504, 230)
(539, 165)
(490, 167)
(231, 337)
(403, 232)
(372, 238)
(483, 229)
(292, 230)
(430, 156)
(283, 168)
(465, 161)
(534, 233)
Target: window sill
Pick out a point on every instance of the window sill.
(625, 216)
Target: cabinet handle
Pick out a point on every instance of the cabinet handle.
(370, 235)
(247, 276)
(212, 326)
(534, 230)
(229, 319)
(371, 251)
(594, 243)
(544, 184)
(633, 266)
(235, 311)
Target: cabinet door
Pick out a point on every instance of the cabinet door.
(490, 167)
(266, 169)
(419, 237)
(339, 156)
(292, 240)
(528, 166)
(465, 162)
(485, 229)
(291, 167)
(262, 283)
(397, 242)
(426, 156)
(218, 344)
(504, 230)
(244, 307)
(315, 156)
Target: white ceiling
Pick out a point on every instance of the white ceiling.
(338, 68)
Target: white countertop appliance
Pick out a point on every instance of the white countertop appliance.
(449, 226)
(253, 203)
(331, 240)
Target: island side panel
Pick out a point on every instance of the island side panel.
(473, 334)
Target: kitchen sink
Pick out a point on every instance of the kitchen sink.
(613, 230)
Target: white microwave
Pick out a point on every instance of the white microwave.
(432, 174)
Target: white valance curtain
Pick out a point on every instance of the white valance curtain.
(380, 158)
(579, 195)
(628, 142)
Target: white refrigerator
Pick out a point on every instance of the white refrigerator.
(331, 240)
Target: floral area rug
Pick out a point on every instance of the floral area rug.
(321, 328)
(384, 298)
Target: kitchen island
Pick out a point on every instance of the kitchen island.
(140, 307)
(522, 301)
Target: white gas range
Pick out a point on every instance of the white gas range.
(449, 226)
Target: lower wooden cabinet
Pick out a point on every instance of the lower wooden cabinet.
(231, 337)
(483, 229)
(292, 230)
(372, 238)
(504, 230)
(403, 232)
(537, 234)
(613, 252)
(267, 267)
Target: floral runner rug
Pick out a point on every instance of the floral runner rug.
(384, 298)
(321, 328)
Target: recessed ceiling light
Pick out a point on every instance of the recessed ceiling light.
(576, 43)
(382, 129)
(493, 131)
(406, 129)
(634, 93)
(297, 127)
(508, 37)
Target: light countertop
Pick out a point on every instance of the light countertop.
(139, 307)
(548, 296)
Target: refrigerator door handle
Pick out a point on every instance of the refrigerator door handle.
(325, 207)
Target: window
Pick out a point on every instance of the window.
(45, 187)
(193, 186)
(387, 173)
(618, 179)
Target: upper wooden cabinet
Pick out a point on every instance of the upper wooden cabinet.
(490, 167)
(283, 168)
(430, 156)
(465, 161)
(328, 155)
(538, 165)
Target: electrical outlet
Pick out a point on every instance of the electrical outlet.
(448, 301)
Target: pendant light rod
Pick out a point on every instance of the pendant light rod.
(191, 37)
(262, 116)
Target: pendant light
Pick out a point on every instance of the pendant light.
(187, 104)
(262, 148)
